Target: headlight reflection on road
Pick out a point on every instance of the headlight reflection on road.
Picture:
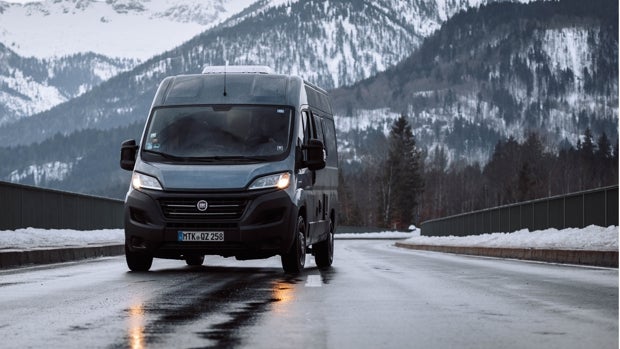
(282, 294)
(136, 326)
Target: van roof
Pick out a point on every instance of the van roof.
(239, 69)
(248, 87)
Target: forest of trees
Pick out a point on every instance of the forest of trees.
(518, 172)
(401, 184)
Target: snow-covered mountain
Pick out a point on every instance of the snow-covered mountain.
(499, 72)
(132, 29)
(32, 85)
(55, 50)
(331, 43)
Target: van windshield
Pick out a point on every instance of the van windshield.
(218, 132)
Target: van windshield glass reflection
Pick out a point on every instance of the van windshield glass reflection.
(218, 132)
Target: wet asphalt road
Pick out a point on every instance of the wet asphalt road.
(375, 296)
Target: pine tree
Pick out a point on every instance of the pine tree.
(586, 166)
(502, 172)
(401, 181)
(603, 162)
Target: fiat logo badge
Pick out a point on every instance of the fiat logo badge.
(202, 205)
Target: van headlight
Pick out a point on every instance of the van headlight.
(278, 180)
(141, 181)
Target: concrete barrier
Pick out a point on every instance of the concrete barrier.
(38, 256)
(580, 257)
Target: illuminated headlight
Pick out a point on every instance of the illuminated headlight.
(279, 180)
(142, 181)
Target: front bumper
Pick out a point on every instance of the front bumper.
(256, 224)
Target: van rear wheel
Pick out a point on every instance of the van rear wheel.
(324, 250)
(138, 261)
(294, 260)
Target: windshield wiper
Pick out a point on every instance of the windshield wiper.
(240, 158)
(231, 158)
(167, 156)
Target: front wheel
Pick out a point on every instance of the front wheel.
(294, 260)
(324, 250)
(137, 261)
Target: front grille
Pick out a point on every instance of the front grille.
(201, 226)
(218, 209)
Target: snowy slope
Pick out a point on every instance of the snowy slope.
(334, 43)
(31, 85)
(484, 77)
(137, 29)
(556, 51)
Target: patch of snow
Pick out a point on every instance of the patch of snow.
(35, 238)
(569, 48)
(40, 97)
(51, 171)
(367, 119)
(589, 238)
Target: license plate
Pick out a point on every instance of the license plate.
(200, 236)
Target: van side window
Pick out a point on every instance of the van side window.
(320, 134)
(330, 141)
(318, 127)
(306, 128)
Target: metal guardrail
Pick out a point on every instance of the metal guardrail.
(575, 210)
(24, 206)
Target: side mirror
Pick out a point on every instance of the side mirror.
(128, 154)
(315, 154)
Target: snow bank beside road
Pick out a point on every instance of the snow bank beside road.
(22, 239)
(589, 238)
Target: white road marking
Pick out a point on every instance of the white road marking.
(314, 281)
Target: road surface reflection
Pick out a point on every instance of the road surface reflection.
(136, 326)
(210, 306)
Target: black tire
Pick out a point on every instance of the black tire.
(195, 260)
(138, 261)
(294, 261)
(324, 250)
